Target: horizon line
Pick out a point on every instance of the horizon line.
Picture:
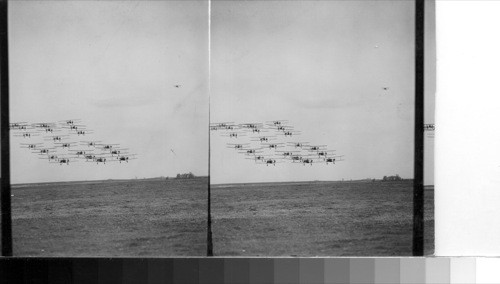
(110, 179)
(206, 176)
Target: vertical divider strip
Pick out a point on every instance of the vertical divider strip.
(418, 177)
(210, 251)
(5, 198)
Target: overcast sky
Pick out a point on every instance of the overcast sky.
(319, 64)
(322, 65)
(114, 65)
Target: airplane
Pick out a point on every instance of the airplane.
(26, 134)
(53, 159)
(263, 138)
(253, 128)
(270, 162)
(316, 147)
(56, 137)
(30, 146)
(63, 161)
(237, 146)
(307, 161)
(65, 144)
(59, 161)
(281, 127)
(89, 157)
(123, 158)
(99, 160)
(91, 143)
(75, 127)
(290, 133)
(126, 158)
(333, 159)
(277, 122)
(330, 160)
(49, 157)
(298, 144)
(325, 153)
(117, 151)
(79, 153)
(19, 126)
(287, 153)
(82, 132)
(106, 146)
(230, 127)
(234, 135)
(256, 158)
(44, 150)
(50, 129)
(250, 125)
(257, 130)
(23, 127)
(222, 124)
(70, 121)
(274, 145)
(44, 124)
(250, 151)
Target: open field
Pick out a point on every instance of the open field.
(111, 218)
(318, 219)
(168, 218)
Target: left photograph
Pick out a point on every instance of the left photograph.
(109, 127)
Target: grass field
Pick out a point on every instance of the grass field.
(111, 218)
(318, 219)
(168, 218)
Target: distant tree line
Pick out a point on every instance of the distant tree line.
(392, 178)
(185, 176)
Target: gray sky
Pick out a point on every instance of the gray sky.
(319, 64)
(322, 66)
(114, 65)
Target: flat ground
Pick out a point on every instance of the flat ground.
(168, 218)
(318, 219)
(111, 218)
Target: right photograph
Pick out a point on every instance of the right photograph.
(312, 124)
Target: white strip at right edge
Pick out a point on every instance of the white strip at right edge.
(467, 142)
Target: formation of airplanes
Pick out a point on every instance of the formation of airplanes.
(272, 142)
(62, 142)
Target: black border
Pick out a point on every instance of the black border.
(418, 177)
(210, 245)
(4, 130)
(5, 195)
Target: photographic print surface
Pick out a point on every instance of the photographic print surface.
(312, 128)
(109, 140)
(312, 120)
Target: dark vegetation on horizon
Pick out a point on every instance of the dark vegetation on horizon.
(185, 176)
(392, 178)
